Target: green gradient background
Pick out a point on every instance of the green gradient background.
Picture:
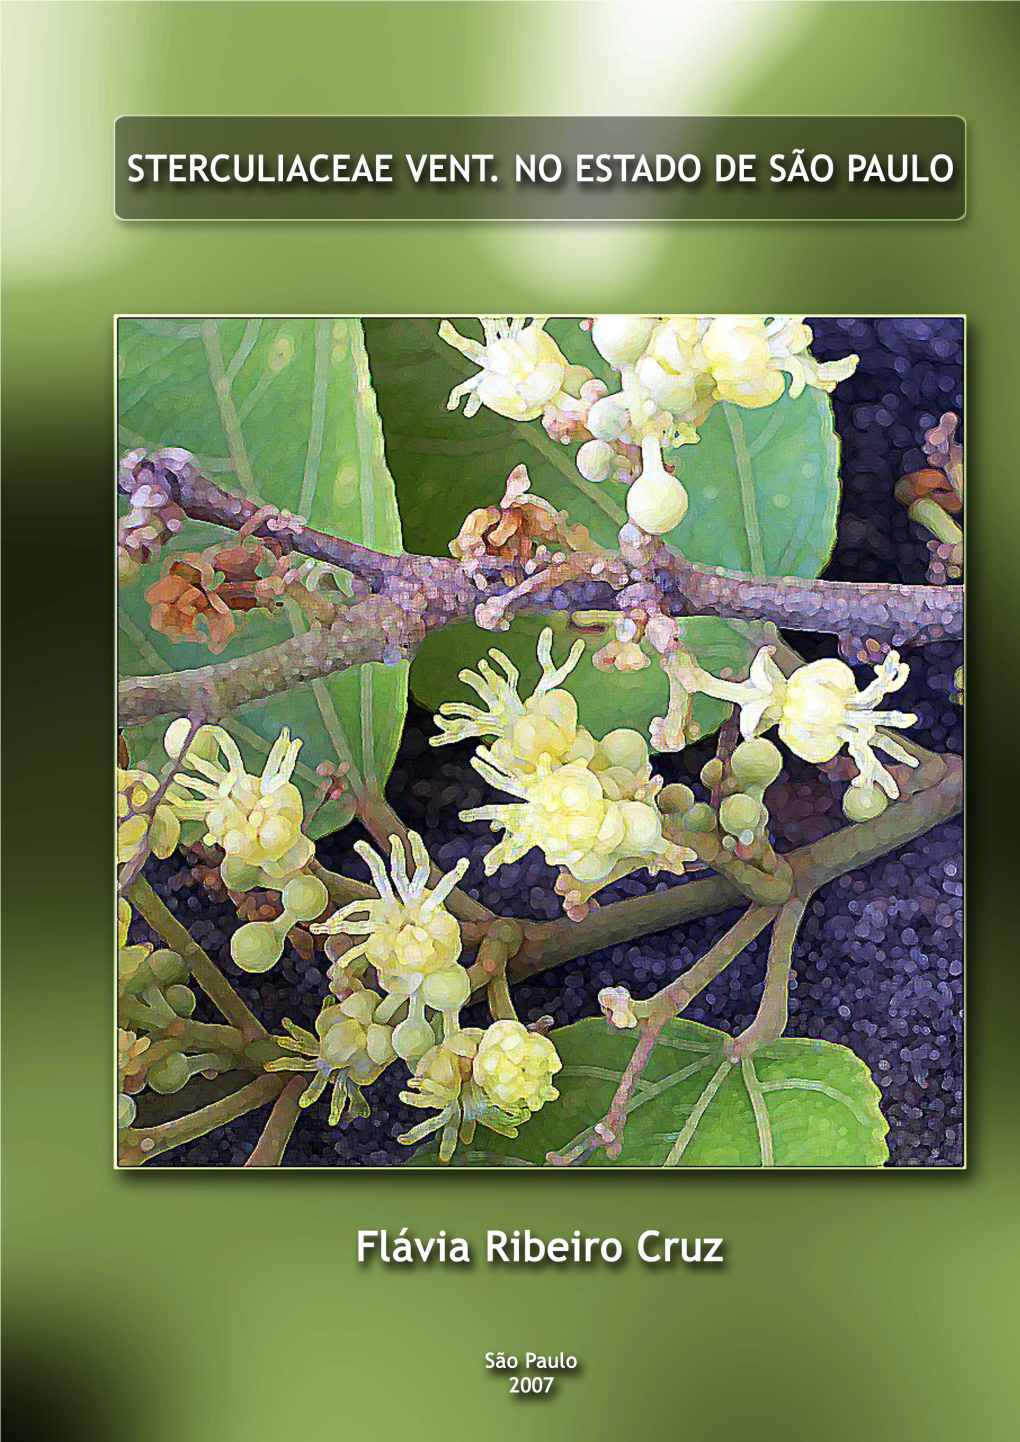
(209, 1306)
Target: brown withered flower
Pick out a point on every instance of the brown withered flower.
(513, 530)
(186, 594)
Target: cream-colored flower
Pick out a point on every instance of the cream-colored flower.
(737, 352)
(499, 1077)
(819, 710)
(442, 1083)
(525, 731)
(522, 369)
(788, 339)
(675, 373)
(255, 819)
(823, 711)
(349, 1048)
(597, 824)
(749, 354)
(514, 1068)
(409, 934)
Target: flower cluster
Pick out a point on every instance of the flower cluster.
(255, 819)
(185, 598)
(499, 1077)
(410, 937)
(522, 370)
(523, 526)
(411, 940)
(818, 710)
(349, 1048)
(587, 804)
(673, 370)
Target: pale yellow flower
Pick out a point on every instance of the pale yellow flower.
(525, 731)
(514, 1068)
(499, 1077)
(255, 819)
(819, 710)
(410, 936)
(348, 1048)
(522, 369)
(597, 824)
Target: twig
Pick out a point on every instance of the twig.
(375, 629)
(205, 971)
(140, 1144)
(662, 1007)
(502, 940)
(774, 1007)
(276, 1133)
(681, 992)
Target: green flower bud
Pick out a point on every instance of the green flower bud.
(305, 898)
(676, 799)
(740, 813)
(700, 818)
(864, 803)
(757, 762)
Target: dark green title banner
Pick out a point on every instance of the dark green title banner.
(820, 167)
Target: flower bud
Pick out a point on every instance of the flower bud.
(609, 419)
(596, 460)
(412, 1039)
(446, 991)
(621, 339)
(657, 503)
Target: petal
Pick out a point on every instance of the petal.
(810, 743)
(467, 347)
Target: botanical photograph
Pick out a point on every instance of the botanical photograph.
(539, 742)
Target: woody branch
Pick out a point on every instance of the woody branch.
(404, 598)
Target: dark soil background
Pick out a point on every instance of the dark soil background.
(879, 959)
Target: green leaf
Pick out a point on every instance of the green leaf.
(763, 487)
(284, 411)
(801, 1103)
